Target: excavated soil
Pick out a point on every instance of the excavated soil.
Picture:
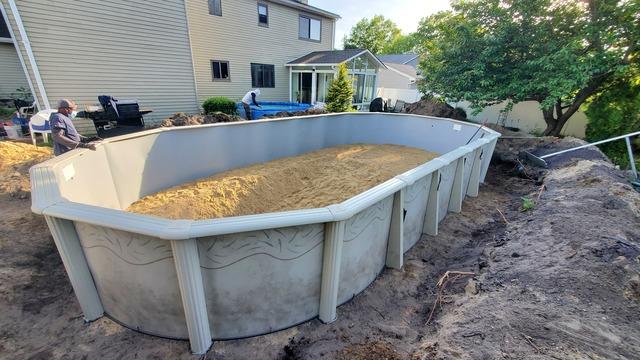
(15, 160)
(316, 179)
(558, 281)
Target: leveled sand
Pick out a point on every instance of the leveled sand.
(310, 180)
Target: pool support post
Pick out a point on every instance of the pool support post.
(395, 248)
(474, 178)
(187, 262)
(457, 193)
(68, 244)
(331, 261)
(431, 217)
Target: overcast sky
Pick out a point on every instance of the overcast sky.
(405, 13)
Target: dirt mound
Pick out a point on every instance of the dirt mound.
(435, 107)
(182, 119)
(283, 114)
(15, 160)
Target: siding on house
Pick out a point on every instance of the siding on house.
(237, 38)
(126, 49)
(11, 73)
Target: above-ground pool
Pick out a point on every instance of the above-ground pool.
(241, 276)
(271, 108)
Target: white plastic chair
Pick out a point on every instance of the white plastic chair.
(39, 123)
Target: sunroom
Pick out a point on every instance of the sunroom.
(310, 75)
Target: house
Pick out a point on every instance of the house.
(169, 54)
(11, 73)
(398, 81)
(311, 74)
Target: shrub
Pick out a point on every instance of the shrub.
(340, 92)
(219, 104)
(615, 111)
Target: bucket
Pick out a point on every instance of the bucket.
(13, 132)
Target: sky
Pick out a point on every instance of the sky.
(405, 13)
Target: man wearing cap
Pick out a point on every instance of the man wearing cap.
(64, 133)
(249, 98)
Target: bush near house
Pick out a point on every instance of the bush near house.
(219, 104)
(340, 93)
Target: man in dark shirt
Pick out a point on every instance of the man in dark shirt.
(64, 133)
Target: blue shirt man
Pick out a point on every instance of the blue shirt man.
(64, 133)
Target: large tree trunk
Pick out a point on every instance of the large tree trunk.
(554, 122)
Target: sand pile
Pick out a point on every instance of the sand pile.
(15, 160)
(311, 180)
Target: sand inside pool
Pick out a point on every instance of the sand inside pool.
(311, 180)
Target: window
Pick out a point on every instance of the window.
(220, 70)
(262, 75)
(263, 15)
(215, 7)
(309, 28)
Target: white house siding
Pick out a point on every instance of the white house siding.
(11, 73)
(127, 49)
(526, 116)
(237, 38)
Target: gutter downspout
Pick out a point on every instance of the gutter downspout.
(333, 35)
(32, 59)
(20, 57)
(193, 59)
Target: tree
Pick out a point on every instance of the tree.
(340, 93)
(615, 111)
(555, 52)
(403, 44)
(374, 34)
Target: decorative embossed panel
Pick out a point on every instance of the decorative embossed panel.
(446, 185)
(365, 248)
(415, 205)
(136, 279)
(261, 281)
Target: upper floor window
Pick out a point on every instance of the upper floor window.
(220, 70)
(262, 76)
(309, 28)
(263, 14)
(4, 30)
(215, 7)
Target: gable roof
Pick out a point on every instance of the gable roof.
(333, 57)
(407, 59)
(407, 71)
(306, 7)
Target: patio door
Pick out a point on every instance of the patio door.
(305, 87)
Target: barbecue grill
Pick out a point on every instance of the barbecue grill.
(122, 112)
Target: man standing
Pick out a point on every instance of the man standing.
(64, 133)
(249, 98)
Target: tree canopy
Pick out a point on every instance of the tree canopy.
(555, 52)
(380, 36)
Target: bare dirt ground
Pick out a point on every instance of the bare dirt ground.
(559, 281)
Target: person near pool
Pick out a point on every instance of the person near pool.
(64, 133)
(248, 99)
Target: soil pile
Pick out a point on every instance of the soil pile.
(311, 180)
(283, 114)
(434, 107)
(182, 119)
(15, 160)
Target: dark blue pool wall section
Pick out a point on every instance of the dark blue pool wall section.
(271, 108)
